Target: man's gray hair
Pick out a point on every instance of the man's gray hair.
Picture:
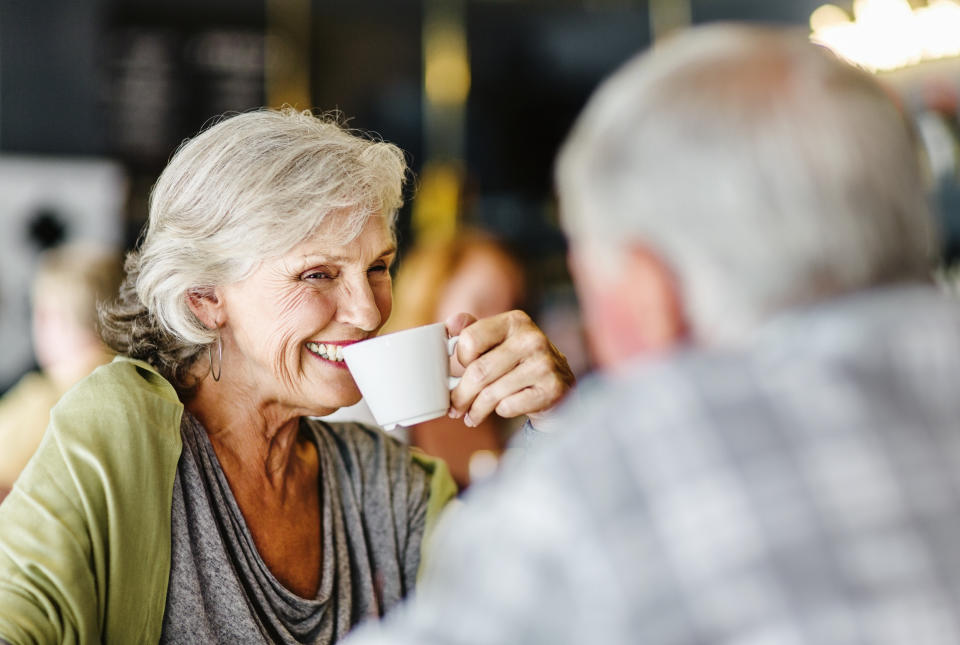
(763, 170)
(250, 187)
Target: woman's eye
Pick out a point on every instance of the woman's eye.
(380, 267)
(318, 275)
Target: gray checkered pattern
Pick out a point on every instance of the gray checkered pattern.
(806, 490)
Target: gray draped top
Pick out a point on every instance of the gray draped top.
(373, 504)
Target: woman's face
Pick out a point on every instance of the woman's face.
(284, 323)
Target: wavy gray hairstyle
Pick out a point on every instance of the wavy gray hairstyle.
(250, 187)
(766, 172)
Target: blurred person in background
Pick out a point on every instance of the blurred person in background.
(70, 280)
(472, 272)
(188, 494)
(772, 453)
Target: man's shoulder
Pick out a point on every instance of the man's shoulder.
(651, 395)
(869, 344)
(852, 373)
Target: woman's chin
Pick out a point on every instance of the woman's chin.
(330, 402)
(353, 398)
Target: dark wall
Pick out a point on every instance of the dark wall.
(132, 78)
(533, 69)
(366, 63)
(785, 11)
(51, 85)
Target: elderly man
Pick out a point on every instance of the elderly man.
(773, 453)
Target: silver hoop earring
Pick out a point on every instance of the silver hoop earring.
(216, 374)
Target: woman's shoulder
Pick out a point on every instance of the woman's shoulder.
(115, 402)
(117, 434)
(104, 473)
(136, 380)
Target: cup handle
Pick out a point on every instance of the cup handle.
(452, 381)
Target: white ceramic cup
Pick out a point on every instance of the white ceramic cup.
(404, 376)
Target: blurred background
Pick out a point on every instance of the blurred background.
(96, 94)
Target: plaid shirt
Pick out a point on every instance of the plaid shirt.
(803, 490)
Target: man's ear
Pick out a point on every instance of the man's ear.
(207, 305)
(656, 298)
(631, 302)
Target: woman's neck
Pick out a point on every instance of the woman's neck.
(273, 471)
(250, 434)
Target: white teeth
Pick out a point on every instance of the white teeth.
(328, 351)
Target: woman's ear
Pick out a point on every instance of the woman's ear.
(207, 305)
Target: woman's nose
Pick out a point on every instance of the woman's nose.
(358, 306)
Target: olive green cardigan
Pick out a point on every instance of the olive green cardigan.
(85, 533)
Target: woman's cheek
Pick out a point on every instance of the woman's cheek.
(384, 296)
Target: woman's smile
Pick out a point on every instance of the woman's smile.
(330, 352)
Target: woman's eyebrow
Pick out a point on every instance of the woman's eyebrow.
(324, 257)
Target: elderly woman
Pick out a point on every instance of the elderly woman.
(185, 492)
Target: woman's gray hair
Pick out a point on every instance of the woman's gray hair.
(766, 172)
(249, 188)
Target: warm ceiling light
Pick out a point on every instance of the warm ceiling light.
(887, 34)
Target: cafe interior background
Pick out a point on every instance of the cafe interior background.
(96, 94)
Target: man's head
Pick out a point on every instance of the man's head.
(731, 173)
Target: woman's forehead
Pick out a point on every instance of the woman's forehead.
(375, 238)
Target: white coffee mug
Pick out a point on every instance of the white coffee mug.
(404, 376)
